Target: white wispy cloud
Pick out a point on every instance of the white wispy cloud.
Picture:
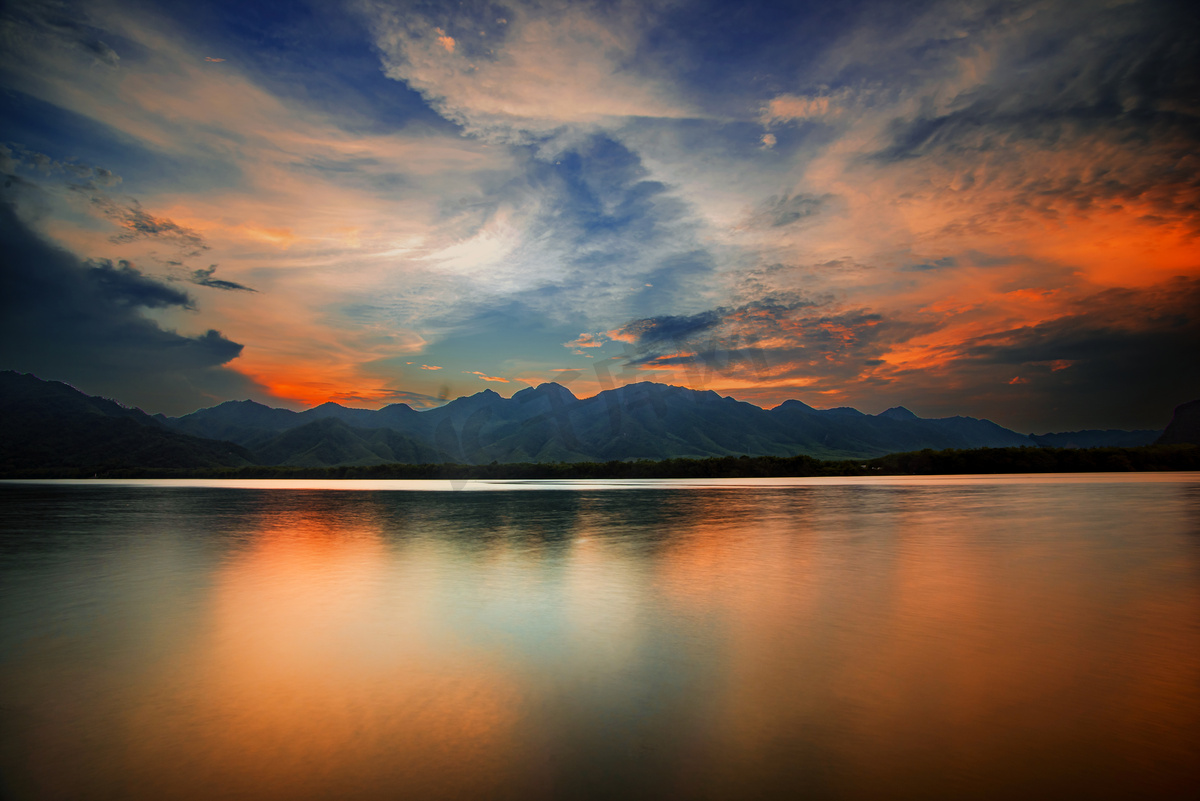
(538, 69)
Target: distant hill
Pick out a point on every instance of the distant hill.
(47, 425)
(53, 426)
(1184, 426)
(329, 441)
(1097, 439)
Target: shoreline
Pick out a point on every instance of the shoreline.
(982, 461)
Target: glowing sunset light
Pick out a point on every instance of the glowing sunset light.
(887, 206)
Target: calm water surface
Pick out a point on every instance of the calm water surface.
(936, 637)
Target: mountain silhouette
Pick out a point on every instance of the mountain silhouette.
(329, 441)
(1092, 438)
(1184, 426)
(46, 424)
(548, 423)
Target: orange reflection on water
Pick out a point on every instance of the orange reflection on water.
(319, 676)
(933, 658)
(914, 637)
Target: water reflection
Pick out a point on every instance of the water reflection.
(915, 640)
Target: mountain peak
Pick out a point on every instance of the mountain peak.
(846, 411)
(649, 385)
(898, 413)
(554, 386)
(482, 396)
(242, 404)
(795, 405)
(546, 390)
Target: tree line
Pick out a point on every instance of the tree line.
(924, 462)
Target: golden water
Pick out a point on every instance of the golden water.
(935, 637)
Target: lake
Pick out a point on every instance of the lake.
(913, 637)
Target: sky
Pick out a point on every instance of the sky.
(978, 208)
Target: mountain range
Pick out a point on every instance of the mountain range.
(46, 424)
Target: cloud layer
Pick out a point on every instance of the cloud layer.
(81, 322)
(523, 69)
(987, 208)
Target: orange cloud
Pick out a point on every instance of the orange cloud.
(788, 107)
(586, 340)
(486, 377)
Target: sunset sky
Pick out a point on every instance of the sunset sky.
(988, 209)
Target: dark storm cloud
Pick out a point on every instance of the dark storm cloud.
(669, 329)
(1103, 324)
(1127, 356)
(124, 285)
(204, 277)
(61, 318)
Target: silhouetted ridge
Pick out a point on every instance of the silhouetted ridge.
(898, 413)
(1184, 426)
(48, 425)
(644, 420)
(794, 405)
(1110, 438)
(548, 390)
